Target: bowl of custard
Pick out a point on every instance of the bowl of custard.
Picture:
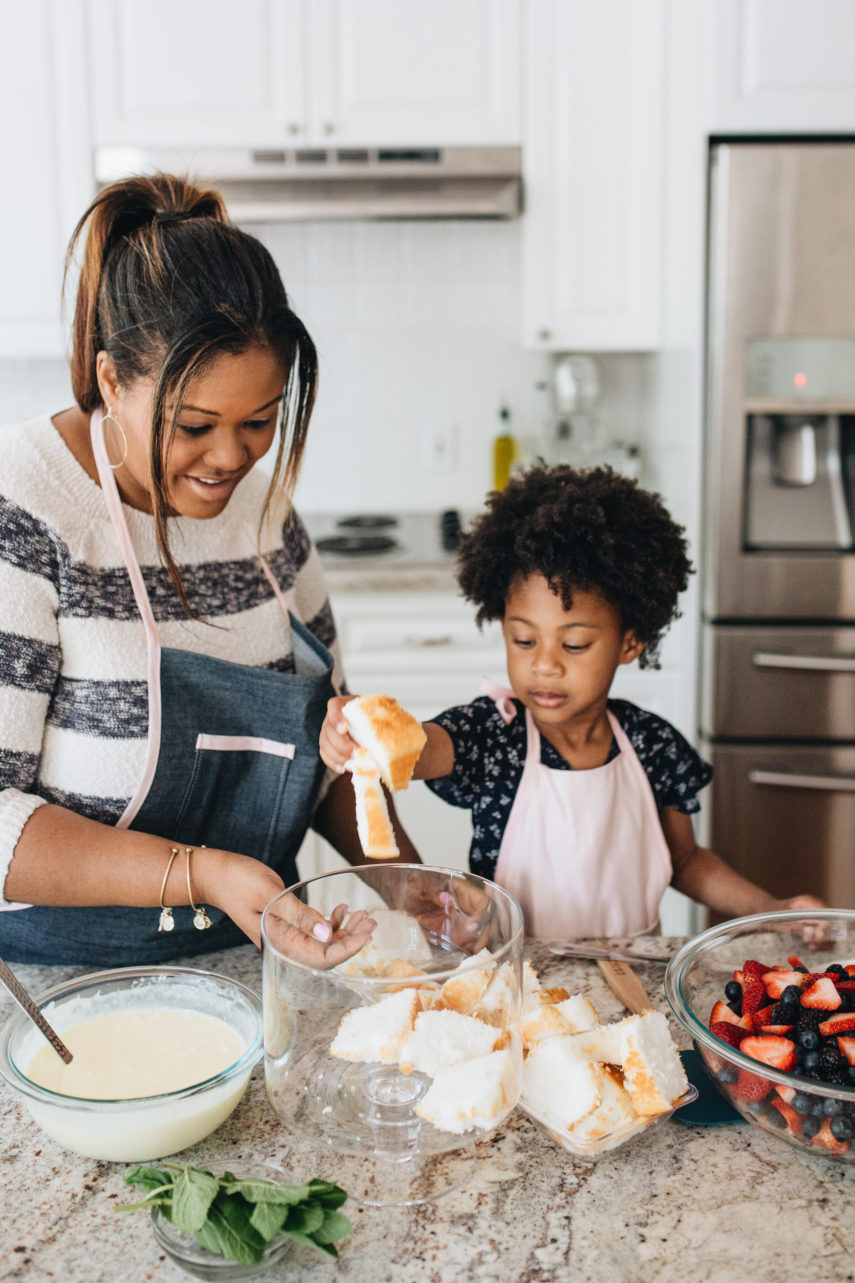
(161, 1056)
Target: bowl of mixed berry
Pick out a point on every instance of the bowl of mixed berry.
(770, 1003)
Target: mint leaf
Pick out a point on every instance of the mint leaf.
(261, 1191)
(268, 1219)
(335, 1226)
(304, 1220)
(192, 1196)
(310, 1242)
(231, 1218)
(150, 1177)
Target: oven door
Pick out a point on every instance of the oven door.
(785, 817)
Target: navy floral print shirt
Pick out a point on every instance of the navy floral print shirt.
(489, 757)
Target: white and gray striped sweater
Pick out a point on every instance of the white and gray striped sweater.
(73, 693)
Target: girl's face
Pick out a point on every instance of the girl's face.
(561, 662)
(227, 423)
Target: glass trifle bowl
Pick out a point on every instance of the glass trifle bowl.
(399, 1059)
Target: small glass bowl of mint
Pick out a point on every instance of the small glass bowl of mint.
(187, 1252)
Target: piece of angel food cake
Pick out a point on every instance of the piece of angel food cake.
(472, 1093)
(392, 736)
(442, 1038)
(377, 1031)
(643, 1048)
(397, 939)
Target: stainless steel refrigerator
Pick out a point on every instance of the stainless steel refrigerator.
(778, 652)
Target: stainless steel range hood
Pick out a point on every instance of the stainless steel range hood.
(273, 186)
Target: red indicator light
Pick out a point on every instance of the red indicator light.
(800, 379)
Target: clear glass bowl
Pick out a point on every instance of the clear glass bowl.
(591, 1151)
(125, 1131)
(187, 1252)
(695, 980)
(367, 1109)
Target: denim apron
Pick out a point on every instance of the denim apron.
(232, 762)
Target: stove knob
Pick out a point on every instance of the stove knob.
(449, 527)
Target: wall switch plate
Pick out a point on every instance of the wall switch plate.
(439, 448)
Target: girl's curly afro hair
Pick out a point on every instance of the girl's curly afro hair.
(588, 530)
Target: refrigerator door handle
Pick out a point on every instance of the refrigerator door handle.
(791, 780)
(809, 663)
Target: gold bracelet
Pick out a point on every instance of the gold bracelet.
(167, 922)
(201, 921)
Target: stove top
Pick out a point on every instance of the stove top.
(375, 538)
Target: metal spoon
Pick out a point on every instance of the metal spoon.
(23, 999)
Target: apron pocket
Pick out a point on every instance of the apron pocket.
(236, 790)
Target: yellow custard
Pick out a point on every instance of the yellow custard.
(123, 1055)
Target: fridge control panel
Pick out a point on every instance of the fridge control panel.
(800, 369)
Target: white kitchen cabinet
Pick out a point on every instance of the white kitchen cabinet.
(305, 72)
(783, 66)
(42, 104)
(594, 106)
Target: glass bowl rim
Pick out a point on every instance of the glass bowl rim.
(17, 1079)
(704, 943)
(383, 981)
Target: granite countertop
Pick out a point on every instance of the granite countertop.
(688, 1203)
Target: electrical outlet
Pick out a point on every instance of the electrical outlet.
(438, 448)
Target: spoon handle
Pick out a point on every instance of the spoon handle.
(23, 999)
(623, 982)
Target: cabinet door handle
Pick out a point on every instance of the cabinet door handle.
(444, 640)
(807, 663)
(783, 779)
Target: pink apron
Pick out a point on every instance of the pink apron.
(583, 851)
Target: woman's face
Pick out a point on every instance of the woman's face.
(228, 421)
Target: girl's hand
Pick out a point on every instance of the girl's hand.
(243, 888)
(815, 934)
(335, 744)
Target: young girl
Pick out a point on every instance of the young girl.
(580, 804)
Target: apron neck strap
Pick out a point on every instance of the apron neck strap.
(116, 513)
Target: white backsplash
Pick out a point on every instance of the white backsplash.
(418, 331)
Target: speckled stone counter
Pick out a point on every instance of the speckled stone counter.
(694, 1204)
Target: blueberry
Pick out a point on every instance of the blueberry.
(811, 1060)
(809, 1039)
(832, 1107)
(841, 1128)
(810, 1127)
(835, 968)
(733, 990)
(727, 1075)
(801, 1102)
(803, 970)
(792, 995)
(736, 1006)
(818, 1107)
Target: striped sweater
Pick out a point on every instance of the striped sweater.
(73, 692)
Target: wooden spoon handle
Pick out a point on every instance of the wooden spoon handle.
(623, 982)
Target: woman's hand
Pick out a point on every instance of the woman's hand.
(335, 744)
(243, 888)
(815, 934)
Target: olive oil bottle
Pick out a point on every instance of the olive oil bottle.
(505, 451)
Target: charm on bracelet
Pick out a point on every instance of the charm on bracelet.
(201, 921)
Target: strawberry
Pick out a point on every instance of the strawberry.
(827, 1140)
(722, 1014)
(777, 1053)
(777, 981)
(847, 1046)
(753, 997)
(786, 1093)
(821, 995)
(762, 1017)
(795, 962)
(739, 977)
(850, 969)
(780, 1031)
(845, 986)
(749, 1087)
(756, 970)
(842, 1023)
(794, 1121)
(727, 1032)
(746, 1023)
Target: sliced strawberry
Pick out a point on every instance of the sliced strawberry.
(850, 969)
(739, 977)
(777, 1053)
(753, 997)
(727, 1032)
(722, 1014)
(847, 1046)
(749, 1087)
(777, 981)
(812, 977)
(756, 970)
(780, 1031)
(845, 986)
(762, 1017)
(826, 1139)
(795, 962)
(746, 1023)
(842, 1023)
(821, 995)
(786, 1093)
(794, 1121)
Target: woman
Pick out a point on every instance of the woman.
(161, 700)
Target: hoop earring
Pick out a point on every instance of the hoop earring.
(110, 417)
